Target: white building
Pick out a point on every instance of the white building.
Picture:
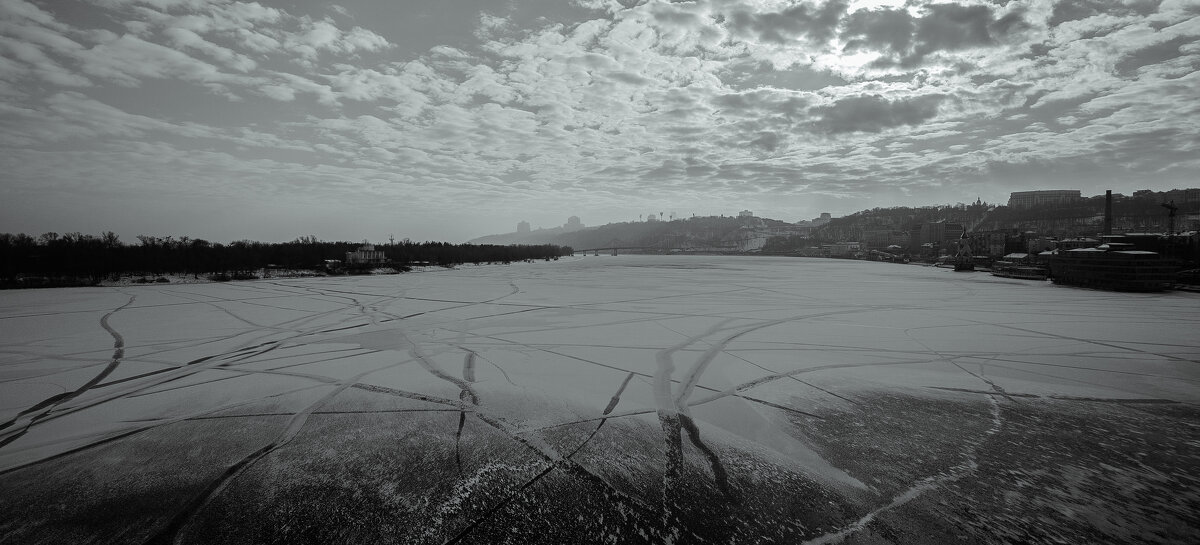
(366, 255)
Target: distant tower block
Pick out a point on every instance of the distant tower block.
(523, 227)
(651, 217)
(573, 224)
(745, 214)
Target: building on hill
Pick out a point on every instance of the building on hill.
(745, 214)
(883, 238)
(523, 227)
(1030, 199)
(651, 217)
(825, 218)
(573, 224)
(939, 235)
(366, 255)
(987, 243)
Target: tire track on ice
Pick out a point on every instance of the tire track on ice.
(235, 355)
(1044, 334)
(229, 357)
(469, 366)
(539, 447)
(955, 473)
(675, 413)
(417, 355)
(492, 363)
(491, 512)
(670, 418)
(953, 360)
(150, 426)
(174, 366)
(468, 373)
(804, 382)
(224, 310)
(179, 525)
(22, 422)
(616, 398)
(736, 390)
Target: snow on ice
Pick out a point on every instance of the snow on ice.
(603, 398)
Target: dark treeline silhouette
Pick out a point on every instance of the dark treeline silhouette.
(79, 259)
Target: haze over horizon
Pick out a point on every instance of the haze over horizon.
(455, 119)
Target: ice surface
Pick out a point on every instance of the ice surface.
(542, 356)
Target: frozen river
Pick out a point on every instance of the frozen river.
(602, 399)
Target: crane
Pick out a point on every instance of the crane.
(1171, 209)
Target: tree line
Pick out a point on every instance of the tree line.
(81, 259)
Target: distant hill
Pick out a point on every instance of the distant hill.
(705, 234)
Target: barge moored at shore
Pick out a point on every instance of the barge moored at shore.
(1108, 269)
(1009, 269)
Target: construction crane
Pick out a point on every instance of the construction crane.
(1171, 209)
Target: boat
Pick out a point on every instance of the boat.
(1106, 268)
(1009, 269)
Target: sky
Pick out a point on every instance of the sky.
(452, 119)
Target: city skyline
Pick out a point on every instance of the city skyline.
(451, 120)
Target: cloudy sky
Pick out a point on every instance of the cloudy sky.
(450, 119)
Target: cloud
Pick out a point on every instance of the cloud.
(282, 93)
(186, 39)
(128, 59)
(1159, 53)
(905, 40)
(314, 37)
(17, 10)
(491, 26)
(30, 36)
(1075, 10)
(886, 29)
(948, 27)
(636, 103)
(812, 21)
(875, 113)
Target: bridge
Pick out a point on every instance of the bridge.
(613, 249)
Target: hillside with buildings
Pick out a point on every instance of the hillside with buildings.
(1030, 221)
(741, 233)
